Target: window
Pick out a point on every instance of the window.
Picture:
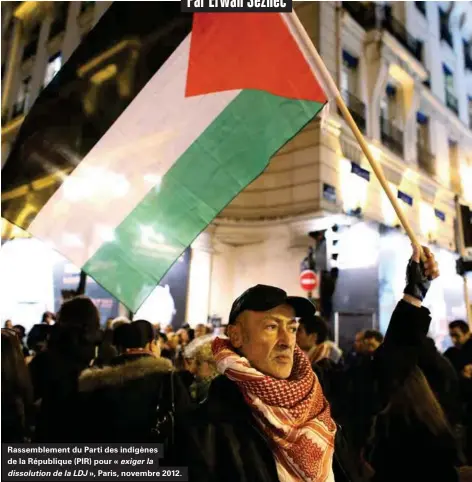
(388, 104)
(422, 129)
(424, 156)
(32, 46)
(444, 27)
(421, 6)
(451, 99)
(85, 6)
(53, 67)
(23, 98)
(349, 73)
(468, 55)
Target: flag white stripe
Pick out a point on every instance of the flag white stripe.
(152, 133)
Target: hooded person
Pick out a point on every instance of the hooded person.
(120, 402)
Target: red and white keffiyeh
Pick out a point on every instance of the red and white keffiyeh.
(293, 413)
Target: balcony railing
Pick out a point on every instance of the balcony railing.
(357, 109)
(425, 159)
(363, 14)
(399, 31)
(421, 6)
(391, 136)
(451, 102)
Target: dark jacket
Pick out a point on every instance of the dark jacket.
(220, 440)
(120, 402)
(356, 394)
(54, 379)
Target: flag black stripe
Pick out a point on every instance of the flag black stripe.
(72, 114)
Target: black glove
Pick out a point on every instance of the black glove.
(417, 283)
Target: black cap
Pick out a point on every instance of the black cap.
(265, 298)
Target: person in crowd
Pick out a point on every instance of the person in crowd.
(312, 334)
(461, 353)
(17, 391)
(466, 392)
(21, 333)
(109, 323)
(200, 330)
(358, 349)
(166, 351)
(205, 371)
(444, 382)
(412, 438)
(48, 318)
(39, 334)
(372, 340)
(71, 349)
(258, 413)
(120, 402)
(9, 325)
(107, 349)
(204, 366)
(335, 354)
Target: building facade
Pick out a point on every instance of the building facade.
(405, 72)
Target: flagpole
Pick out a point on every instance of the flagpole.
(329, 84)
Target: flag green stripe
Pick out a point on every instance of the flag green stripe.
(229, 154)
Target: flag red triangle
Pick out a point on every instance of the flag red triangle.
(231, 51)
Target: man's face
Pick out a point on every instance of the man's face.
(267, 339)
(200, 330)
(370, 345)
(359, 346)
(458, 337)
(304, 340)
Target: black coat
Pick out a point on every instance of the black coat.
(220, 440)
(119, 403)
(357, 393)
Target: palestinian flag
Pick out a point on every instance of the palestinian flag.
(157, 121)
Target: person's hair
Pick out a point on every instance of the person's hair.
(415, 400)
(316, 324)
(141, 333)
(77, 331)
(376, 335)
(79, 311)
(120, 333)
(46, 315)
(17, 388)
(460, 324)
(21, 331)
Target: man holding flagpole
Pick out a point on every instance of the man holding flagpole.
(266, 417)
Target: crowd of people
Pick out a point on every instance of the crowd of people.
(267, 397)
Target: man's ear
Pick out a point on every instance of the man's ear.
(235, 335)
